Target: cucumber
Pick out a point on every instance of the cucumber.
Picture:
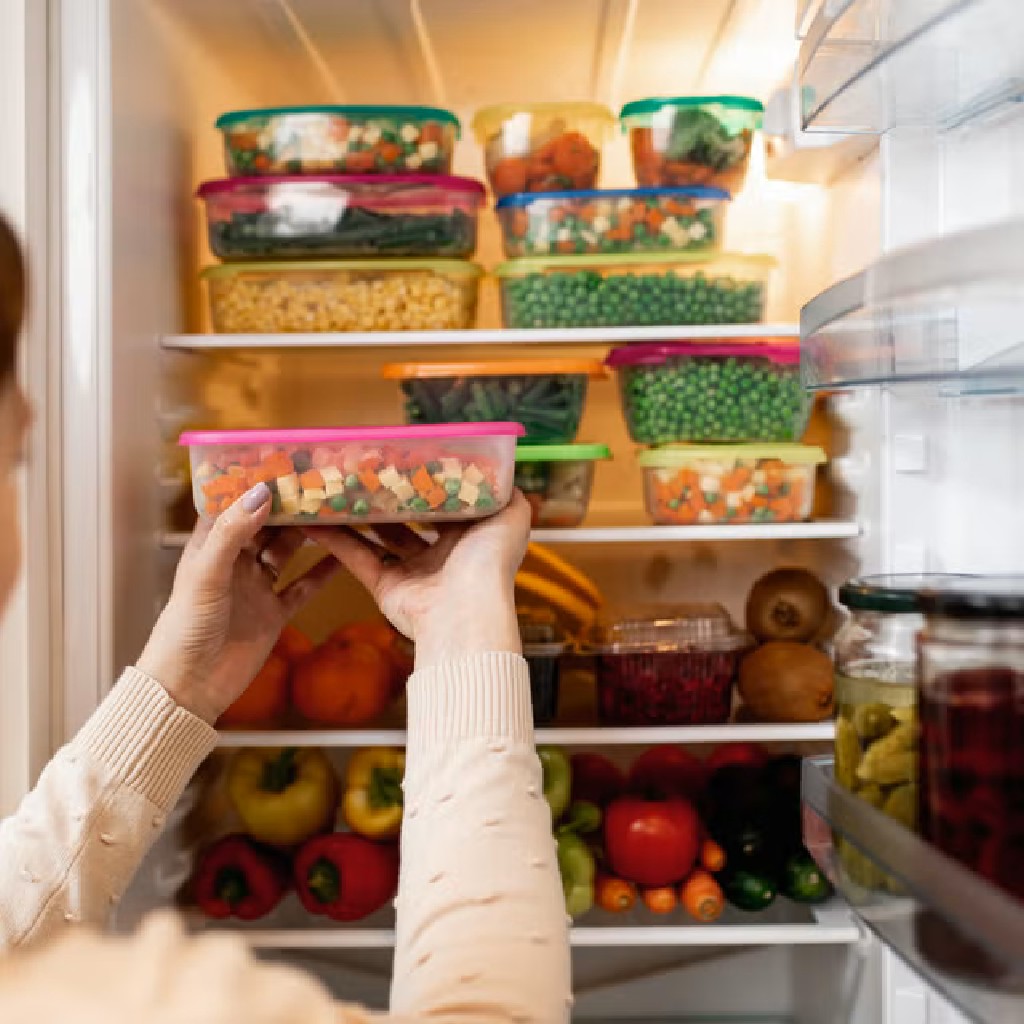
(803, 881)
(748, 890)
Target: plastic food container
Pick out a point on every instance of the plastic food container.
(343, 140)
(556, 480)
(545, 395)
(342, 295)
(544, 643)
(692, 140)
(713, 391)
(358, 475)
(634, 290)
(672, 669)
(612, 221)
(730, 483)
(306, 217)
(542, 147)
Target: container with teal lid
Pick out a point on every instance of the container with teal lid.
(692, 140)
(354, 139)
(557, 481)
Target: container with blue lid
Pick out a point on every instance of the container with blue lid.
(620, 220)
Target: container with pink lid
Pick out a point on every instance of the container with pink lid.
(713, 391)
(325, 215)
(358, 475)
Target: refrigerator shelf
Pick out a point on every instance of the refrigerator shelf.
(974, 932)
(946, 311)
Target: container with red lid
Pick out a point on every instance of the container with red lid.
(712, 391)
(328, 215)
(354, 476)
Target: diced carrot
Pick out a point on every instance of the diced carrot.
(259, 475)
(655, 218)
(422, 481)
(431, 132)
(436, 496)
(371, 460)
(312, 479)
(369, 479)
(389, 152)
(357, 163)
(261, 162)
(565, 247)
(758, 501)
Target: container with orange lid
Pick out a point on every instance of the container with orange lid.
(545, 395)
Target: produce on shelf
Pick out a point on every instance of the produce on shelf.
(615, 895)
(651, 842)
(382, 635)
(787, 604)
(345, 877)
(802, 879)
(235, 877)
(283, 795)
(781, 681)
(557, 779)
(544, 561)
(576, 863)
(666, 771)
(293, 644)
(735, 754)
(576, 613)
(372, 801)
(264, 702)
(661, 899)
(343, 684)
(596, 779)
(712, 856)
(556, 480)
(748, 890)
(702, 897)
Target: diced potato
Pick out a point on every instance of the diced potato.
(473, 474)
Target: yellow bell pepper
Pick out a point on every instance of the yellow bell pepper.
(372, 804)
(283, 795)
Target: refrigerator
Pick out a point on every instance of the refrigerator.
(884, 184)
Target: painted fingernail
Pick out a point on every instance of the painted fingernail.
(255, 498)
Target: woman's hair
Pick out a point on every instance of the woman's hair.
(12, 297)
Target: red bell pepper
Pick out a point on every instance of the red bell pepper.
(667, 771)
(236, 877)
(595, 779)
(344, 876)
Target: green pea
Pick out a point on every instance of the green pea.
(338, 502)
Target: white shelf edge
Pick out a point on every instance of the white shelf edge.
(497, 336)
(796, 732)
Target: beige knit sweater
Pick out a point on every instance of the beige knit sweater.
(481, 934)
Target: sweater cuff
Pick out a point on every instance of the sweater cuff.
(478, 696)
(148, 742)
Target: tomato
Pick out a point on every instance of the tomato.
(596, 779)
(736, 753)
(652, 842)
(667, 771)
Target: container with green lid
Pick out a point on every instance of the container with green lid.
(692, 140)
(339, 140)
(557, 479)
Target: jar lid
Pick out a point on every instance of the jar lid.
(687, 627)
(976, 597)
(899, 593)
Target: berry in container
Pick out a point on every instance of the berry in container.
(671, 668)
(339, 140)
(634, 289)
(618, 220)
(712, 391)
(686, 485)
(692, 140)
(358, 475)
(545, 395)
(342, 295)
(328, 215)
(542, 147)
(544, 644)
(556, 480)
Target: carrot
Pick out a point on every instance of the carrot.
(661, 900)
(311, 480)
(436, 496)
(261, 162)
(565, 247)
(431, 132)
(356, 163)
(422, 481)
(712, 856)
(701, 897)
(369, 479)
(389, 152)
(509, 175)
(614, 894)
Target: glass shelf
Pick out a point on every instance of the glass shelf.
(964, 935)
(950, 310)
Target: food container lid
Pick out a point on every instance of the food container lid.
(520, 199)
(462, 268)
(562, 452)
(492, 368)
(781, 352)
(682, 454)
(898, 593)
(330, 435)
(976, 597)
(363, 111)
(540, 628)
(687, 627)
(488, 120)
(653, 104)
(441, 182)
(535, 264)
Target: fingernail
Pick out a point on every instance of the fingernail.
(255, 498)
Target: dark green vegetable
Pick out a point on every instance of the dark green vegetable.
(803, 881)
(747, 890)
(698, 137)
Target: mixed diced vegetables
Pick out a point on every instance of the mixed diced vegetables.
(556, 480)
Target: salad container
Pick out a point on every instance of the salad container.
(672, 669)
(545, 395)
(544, 643)
(358, 475)
(542, 147)
(342, 295)
(692, 140)
(634, 290)
(714, 391)
(612, 221)
(556, 480)
(339, 139)
(730, 483)
(313, 216)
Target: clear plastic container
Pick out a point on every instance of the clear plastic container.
(339, 139)
(544, 643)
(545, 395)
(675, 668)
(712, 391)
(358, 475)
(556, 480)
(317, 216)
(619, 220)
(342, 295)
(692, 140)
(636, 290)
(542, 147)
(730, 483)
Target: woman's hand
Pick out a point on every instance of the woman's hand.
(452, 598)
(224, 615)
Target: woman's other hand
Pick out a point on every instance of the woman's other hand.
(453, 597)
(224, 614)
